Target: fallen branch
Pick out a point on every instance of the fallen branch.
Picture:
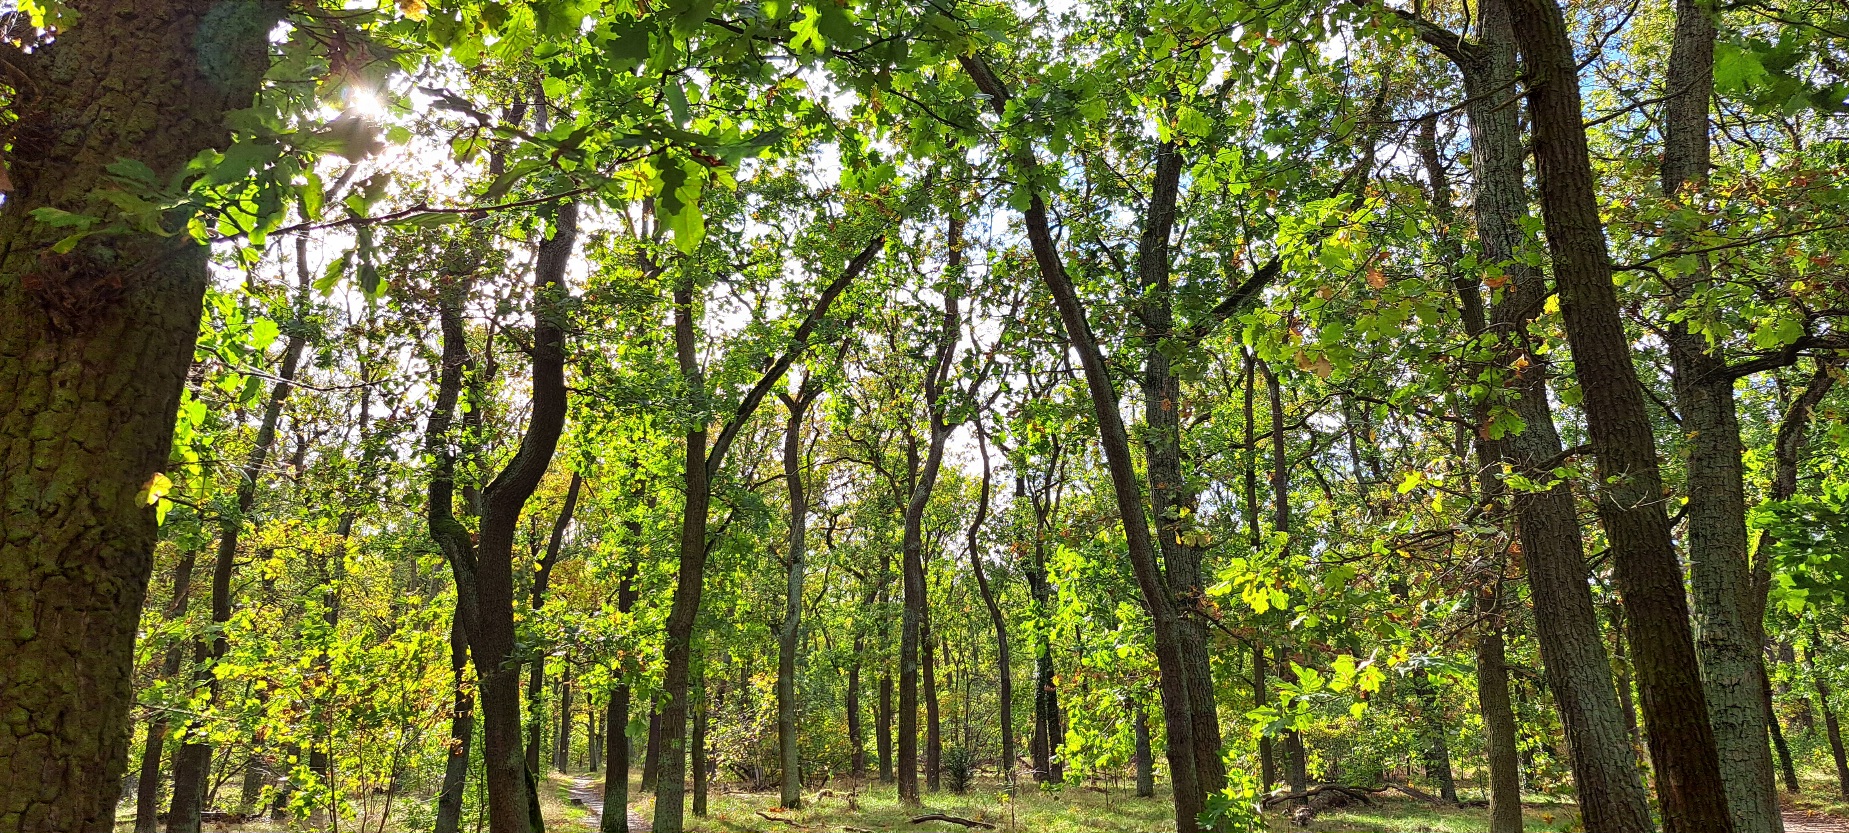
(953, 820)
(765, 815)
(1418, 793)
(1357, 793)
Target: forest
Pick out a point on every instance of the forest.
(1228, 416)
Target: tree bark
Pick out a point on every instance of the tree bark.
(1178, 712)
(1611, 797)
(651, 752)
(698, 742)
(789, 765)
(536, 675)
(701, 464)
(1630, 499)
(884, 725)
(461, 733)
(1004, 664)
(1296, 757)
(616, 715)
(1728, 637)
(934, 727)
(94, 352)
(1145, 757)
(1505, 788)
(1832, 727)
(147, 785)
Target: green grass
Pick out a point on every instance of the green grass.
(1396, 815)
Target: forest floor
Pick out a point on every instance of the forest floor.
(873, 807)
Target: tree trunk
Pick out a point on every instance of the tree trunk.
(1145, 757)
(1261, 694)
(884, 720)
(856, 733)
(1004, 664)
(192, 766)
(1173, 501)
(1047, 729)
(1778, 741)
(1437, 747)
(1630, 500)
(699, 467)
(790, 768)
(536, 675)
(1178, 713)
(700, 766)
(651, 752)
(147, 786)
(561, 751)
(1296, 757)
(1611, 797)
(1832, 727)
(94, 351)
(934, 727)
(1728, 637)
(461, 734)
(616, 716)
(1505, 786)
(484, 570)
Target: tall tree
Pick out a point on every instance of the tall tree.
(1629, 501)
(96, 345)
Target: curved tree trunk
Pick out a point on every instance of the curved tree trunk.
(461, 733)
(1004, 664)
(536, 675)
(787, 639)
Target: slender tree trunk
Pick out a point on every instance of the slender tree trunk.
(536, 674)
(1145, 757)
(700, 466)
(1437, 747)
(1004, 664)
(1261, 693)
(1047, 730)
(884, 720)
(192, 766)
(1832, 727)
(94, 351)
(1505, 788)
(1296, 757)
(934, 727)
(856, 732)
(561, 751)
(700, 765)
(147, 786)
(616, 716)
(1778, 742)
(651, 752)
(787, 640)
(461, 733)
(1178, 712)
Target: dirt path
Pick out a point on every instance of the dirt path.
(589, 792)
(1800, 821)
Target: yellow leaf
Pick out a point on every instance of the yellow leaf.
(156, 488)
(414, 9)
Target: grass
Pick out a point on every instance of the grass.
(874, 807)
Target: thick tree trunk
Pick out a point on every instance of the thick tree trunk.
(1728, 635)
(1630, 501)
(1611, 797)
(94, 350)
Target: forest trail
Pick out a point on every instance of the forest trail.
(1804, 821)
(589, 792)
